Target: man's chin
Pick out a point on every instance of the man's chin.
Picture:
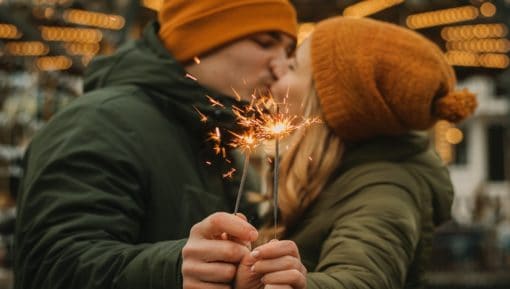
(248, 95)
(262, 92)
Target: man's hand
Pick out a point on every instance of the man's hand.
(275, 265)
(209, 259)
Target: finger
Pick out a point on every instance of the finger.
(225, 236)
(241, 216)
(210, 272)
(214, 251)
(247, 244)
(216, 224)
(292, 277)
(272, 286)
(273, 265)
(276, 249)
(202, 285)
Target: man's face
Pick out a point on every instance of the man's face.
(246, 66)
(296, 84)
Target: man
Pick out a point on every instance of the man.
(119, 182)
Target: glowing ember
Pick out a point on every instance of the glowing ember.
(229, 174)
(215, 136)
(191, 77)
(214, 102)
(203, 117)
(247, 142)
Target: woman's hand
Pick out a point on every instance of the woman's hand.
(275, 265)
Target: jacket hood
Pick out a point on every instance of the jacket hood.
(414, 152)
(146, 64)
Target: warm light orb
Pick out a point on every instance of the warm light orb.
(488, 9)
(454, 135)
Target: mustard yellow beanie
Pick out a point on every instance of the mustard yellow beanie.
(189, 28)
(374, 78)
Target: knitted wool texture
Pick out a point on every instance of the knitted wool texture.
(375, 78)
(192, 28)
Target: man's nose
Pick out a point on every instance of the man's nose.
(279, 66)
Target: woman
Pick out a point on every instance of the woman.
(361, 193)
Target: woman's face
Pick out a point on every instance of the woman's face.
(297, 82)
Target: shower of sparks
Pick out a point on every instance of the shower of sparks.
(261, 120)
(258, 122)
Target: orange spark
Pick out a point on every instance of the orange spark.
(229, 174)
(238, 96)
(214, 102)
(215, 136)
(217, 149)
(191, 77)
(203, 117)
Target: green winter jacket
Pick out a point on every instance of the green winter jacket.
(372, 227)
(115, 181)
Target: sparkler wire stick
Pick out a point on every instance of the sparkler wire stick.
(275, 183)
(243, 180)
(275, 176)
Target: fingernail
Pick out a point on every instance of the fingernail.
(252, 268)
(255, 254)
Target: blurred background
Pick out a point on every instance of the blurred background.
(46, 45)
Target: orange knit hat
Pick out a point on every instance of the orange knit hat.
(374, 78)
(190, 28)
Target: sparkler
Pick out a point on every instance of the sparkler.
(247, 142)
(260, 125)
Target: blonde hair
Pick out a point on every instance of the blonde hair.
(305, 168)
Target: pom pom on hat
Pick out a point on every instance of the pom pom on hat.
(456, 105)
